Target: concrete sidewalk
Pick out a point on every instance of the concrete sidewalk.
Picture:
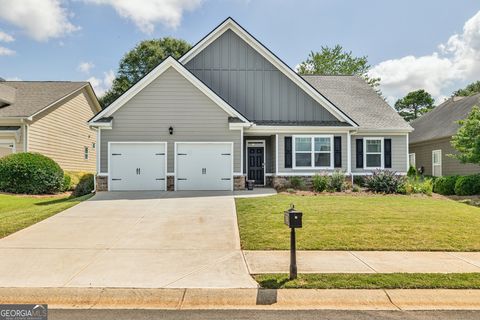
(364, 262)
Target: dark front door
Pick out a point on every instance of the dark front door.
(256, 164)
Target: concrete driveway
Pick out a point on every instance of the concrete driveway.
(131, 239)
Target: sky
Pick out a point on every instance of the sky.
(410, 44)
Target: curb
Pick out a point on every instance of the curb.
(264, 299)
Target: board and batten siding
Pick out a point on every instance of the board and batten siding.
(281, 153)
(450, 165)
(399, 153)
(170, 100)
(250, 83)
(61, 133)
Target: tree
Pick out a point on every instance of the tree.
(469, 90)
(337, 61)
(414, 104)
(139, 61)
(467, 139)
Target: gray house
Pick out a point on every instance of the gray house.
(231, 110)
(430, 145)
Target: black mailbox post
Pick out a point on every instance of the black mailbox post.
(293, 219)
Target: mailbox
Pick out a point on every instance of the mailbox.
(293, 218)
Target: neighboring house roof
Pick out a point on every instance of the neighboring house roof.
(359, 100)
(441, 122)
(32, 97)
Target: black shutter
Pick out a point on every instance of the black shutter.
(388, 152)
(359, 153)
(288, 152)
(337, 152)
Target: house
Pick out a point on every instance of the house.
(49, 117)
(230, 109)
(430, 146)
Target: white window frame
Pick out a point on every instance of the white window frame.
(312, 151)
(412, 163)
(438, 164)
(381, 153)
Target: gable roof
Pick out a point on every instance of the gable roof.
(360, 101)
(169, 62)
(441, 121)
(230, 24)
(32, 97)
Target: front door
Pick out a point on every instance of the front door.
(256, 164)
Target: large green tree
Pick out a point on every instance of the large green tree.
(467, 139)
(469, 90)
(337, 61)
(414, 104)
(139, 61)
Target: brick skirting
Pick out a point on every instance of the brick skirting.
(102, 183)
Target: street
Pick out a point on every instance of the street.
(260, 314)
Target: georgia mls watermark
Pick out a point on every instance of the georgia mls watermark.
(23, 312)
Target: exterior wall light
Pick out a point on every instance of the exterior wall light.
(170, 130)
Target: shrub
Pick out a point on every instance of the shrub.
(359, 180)
(320, 183)
(385, 181)
(412, 172)
(84, 186)
(297, 183)
(67, 182)
(355, 188)
(415, 185)
(75, 176)
(336, 182)
(30, 173)
(445, 185)
(467, 185)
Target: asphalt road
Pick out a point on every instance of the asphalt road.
(260, 315)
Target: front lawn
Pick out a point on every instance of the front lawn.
(360, 222)
(18, 212)
(371, 281)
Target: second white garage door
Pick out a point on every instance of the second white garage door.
(204, 166)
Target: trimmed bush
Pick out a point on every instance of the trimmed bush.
(75, 176)
(445, 185)
(412, 172)
(30, 173)
(467, 185)
(336, 182)
(84, 186)
(385, 181)
(297, 183)
(67, 182)
(319, 182)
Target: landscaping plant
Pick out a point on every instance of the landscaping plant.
(412, 172)
(336, 182)
(84, 186)
(320, 182)
(297, 183)
(385, 181)
(418, 185)
(445, 185)
(468, 185)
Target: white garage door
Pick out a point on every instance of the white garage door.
(137, 166)
(204, 166)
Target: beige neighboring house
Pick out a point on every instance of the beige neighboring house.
(49, 117)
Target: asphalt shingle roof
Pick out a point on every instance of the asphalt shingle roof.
(441, 121)
(358, 100)
(33, 96)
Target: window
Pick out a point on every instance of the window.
(411, 159)
(373, 153)
(313, 151)
(85, 153)
(93, 145)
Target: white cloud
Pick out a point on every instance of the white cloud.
(13, 79)
(146, 13)
(6, 52)
(5, 37)
(102, 85)
(39, 19)
(456, 61)
(85, 67)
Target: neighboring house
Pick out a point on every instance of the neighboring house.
(230, 109)
(49, 117)
(430, 145)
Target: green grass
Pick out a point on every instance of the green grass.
(18, 212)
(372, 281)
(360, 222)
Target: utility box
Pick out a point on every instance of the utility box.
(293, 218)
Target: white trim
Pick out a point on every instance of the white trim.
(203, 142)
(264, 143)
(241, 150)
(439, 164)
(98, 150)
(349, 153)
(276, 154)
(135, 142)
(230, 24)
(369, 173)
(414, 160)
(386, 131)
(104, 125)
(154, 74)
(408, 151)
(382, 153)
(312, 152)
(25, 137)
(102, 174)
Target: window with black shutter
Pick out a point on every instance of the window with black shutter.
(288, 152)
(359, 161)
(337, 156)
(388, 152)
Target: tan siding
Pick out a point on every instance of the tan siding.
(450, 166)
(61, 133)
(170, 100)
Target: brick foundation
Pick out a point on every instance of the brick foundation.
(102, 183)
(170, 183)
(283, 182)
(239, 183)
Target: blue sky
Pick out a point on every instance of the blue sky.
(431, 44)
